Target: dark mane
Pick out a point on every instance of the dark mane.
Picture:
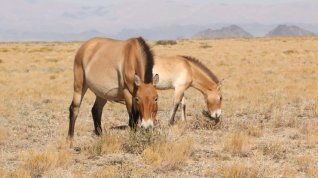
(203, 67)
(147, 53)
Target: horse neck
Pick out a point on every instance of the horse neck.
(202, 81)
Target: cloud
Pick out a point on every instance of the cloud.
(85, 11)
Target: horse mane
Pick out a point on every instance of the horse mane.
(149, 60)
(203, 67)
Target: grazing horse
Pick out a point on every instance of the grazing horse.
(115, 70)
(180, 73)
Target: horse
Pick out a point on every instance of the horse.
(180, 73)
(115, 70)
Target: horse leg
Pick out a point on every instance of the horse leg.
(97, 111)
(178, 95)
(74, 109)
(183, 108)
(132, 112)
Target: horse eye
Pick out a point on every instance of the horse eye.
(221, 98)
(156, 100)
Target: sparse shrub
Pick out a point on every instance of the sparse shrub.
(166, 42)
(107, 143)
(237, 143)
(204, 123)
(205, 45)
(140, 139)
(169, 155)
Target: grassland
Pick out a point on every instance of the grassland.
(269, 127)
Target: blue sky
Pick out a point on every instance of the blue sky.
(69, 16)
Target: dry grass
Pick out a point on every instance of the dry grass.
(269, 122)
(306, 165)
(237, 170)
(107, 172)
(106, 144)
(3, 172)
(304, 162)
(37, 162)
(20, 173)
(237, 143)
(125, 170)
(275, 149)
(169, 155)
(255, 131)
(3, 134)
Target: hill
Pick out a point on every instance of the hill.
(288, 30)
(232, 31)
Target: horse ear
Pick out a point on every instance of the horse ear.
(155, 79)
(137, 80)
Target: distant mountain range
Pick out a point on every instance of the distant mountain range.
(232, 31)
(292, 30)
(219, 30)
(49, 36)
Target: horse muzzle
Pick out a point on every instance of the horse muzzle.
(216, 114)
(147, 124)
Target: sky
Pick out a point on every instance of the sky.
(111, 16)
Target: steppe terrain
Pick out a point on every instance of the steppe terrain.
(269, 126)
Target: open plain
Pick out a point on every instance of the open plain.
(269, 126)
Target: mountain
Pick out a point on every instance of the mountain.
(165, 32)
(288, 30)
(50, 36)
(232, 31)
(173, 31)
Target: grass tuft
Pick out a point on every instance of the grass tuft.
(169, 155)
(106, 144)
(237, 170)
(237, 143)
(37, 163)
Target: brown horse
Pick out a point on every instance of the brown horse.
(115, 70)
(180, 73)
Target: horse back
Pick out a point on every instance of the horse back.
(173, 71)
(104, 60)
